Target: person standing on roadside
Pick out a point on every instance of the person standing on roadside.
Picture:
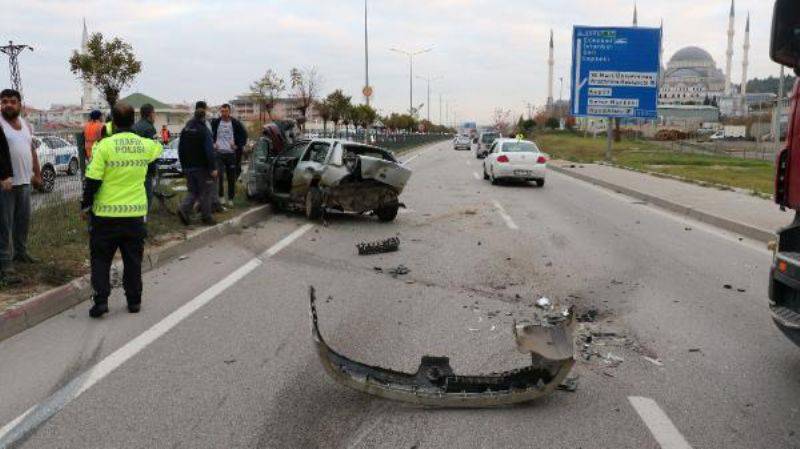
(230, 137)
(196, 153)
(165, 135)
(92, 131)
(15, 199)
(115, 203)
(145, 128)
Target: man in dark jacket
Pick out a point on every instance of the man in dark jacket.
(145, 128)
(230, 137)
(196, 153)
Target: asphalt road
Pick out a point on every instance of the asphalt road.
(222, 356)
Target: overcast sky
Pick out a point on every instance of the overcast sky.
(491, 53)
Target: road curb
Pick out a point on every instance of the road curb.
(32, 311)
(727, 224)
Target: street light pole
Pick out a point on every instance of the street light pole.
(429, 80)
(366, 53)
(411, 55)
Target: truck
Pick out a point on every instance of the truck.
(784, 284)
(730, 132)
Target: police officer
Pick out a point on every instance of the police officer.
(115, 203)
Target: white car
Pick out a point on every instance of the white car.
(513, 159)
(169, 163)
(56, 155)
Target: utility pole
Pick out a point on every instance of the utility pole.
(440, 110)
(13, 52)
(429, 80)
(367, 87)
(411, 55)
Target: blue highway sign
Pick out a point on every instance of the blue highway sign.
(615, 72)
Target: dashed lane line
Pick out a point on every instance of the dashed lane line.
(663, 430)
(40, 413)
(507, 218)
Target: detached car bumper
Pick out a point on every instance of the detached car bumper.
(549, 339)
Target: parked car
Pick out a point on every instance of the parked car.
(329, 174)
(462, 143)
(56, 155)
(513, 159)
(485, 141)
(169, 163)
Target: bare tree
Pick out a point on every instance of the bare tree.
(501, 120)
(324, 111)
(110, 66)
(266, 90)
(306, 84)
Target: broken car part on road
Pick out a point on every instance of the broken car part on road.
(384, 246)
(548, 338)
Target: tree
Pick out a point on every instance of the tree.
(501, 120)
(110, 66)
(324, 111)
(552, 123)
(340, 105)
(266, 90)
(364, 115)
(305, 88)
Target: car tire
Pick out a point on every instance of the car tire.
(48, 179)
(73, 167)
(387, 213)
(314, 207)
(485, 175)
(540, 182)
(494, 180)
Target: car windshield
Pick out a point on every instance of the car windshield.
(489, 138)
(520, 147)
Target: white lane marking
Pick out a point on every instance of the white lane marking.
(411, 158)
(507, 218)
(476, 175)
(43, 411)
(665, 433)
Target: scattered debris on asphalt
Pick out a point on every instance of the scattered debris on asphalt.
(228, 362)
(728, 287)
(655, 362)
(389, 245)
(695, 350)
(741, 290)
(400, 270)
(687, 229)
(590, 316)
(544, 303)
(182, 258)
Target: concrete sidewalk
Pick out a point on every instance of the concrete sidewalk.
(735, 211)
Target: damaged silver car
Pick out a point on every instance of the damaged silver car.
(331, 174)
(548, 338)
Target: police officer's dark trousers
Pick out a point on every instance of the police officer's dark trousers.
(106, 235)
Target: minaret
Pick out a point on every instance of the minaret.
(635, 15)
(86, 98)
(729, 54)
(550, 62)
(745, 64)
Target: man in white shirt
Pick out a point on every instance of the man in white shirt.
(15, 203)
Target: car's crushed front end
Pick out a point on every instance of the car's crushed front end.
(548, 338)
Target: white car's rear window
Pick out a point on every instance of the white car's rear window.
(520, 147)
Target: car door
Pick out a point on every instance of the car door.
(489, 160)
(260, 165)
(310, 167)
